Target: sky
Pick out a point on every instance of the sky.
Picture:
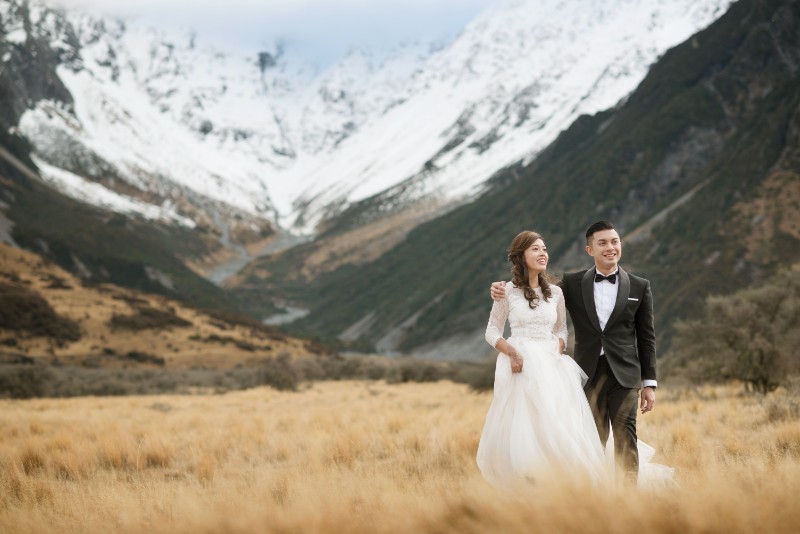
(318, 31)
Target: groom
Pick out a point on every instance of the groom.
(615, 341)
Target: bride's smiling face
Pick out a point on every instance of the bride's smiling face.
(536, 256)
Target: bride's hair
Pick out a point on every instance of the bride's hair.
(519, 269)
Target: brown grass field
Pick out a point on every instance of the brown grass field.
(373, 457)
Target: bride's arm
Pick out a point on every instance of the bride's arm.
(494, 333)
(560, 326)
(497, 322)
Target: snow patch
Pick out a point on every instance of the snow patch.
(94, 193)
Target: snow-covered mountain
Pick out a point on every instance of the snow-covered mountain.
(171, 119)
(501, 92)
(170, 127)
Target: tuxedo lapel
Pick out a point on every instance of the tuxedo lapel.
(587, 290)
(622, 296)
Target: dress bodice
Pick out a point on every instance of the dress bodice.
(547, 321)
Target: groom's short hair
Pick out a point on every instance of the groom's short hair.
(597, 227)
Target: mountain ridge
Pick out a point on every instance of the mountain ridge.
(384, 271)
(709, 140)
(266, 142)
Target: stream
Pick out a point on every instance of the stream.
(290, 314)
(226, 270)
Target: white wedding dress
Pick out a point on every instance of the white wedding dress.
(540, 419)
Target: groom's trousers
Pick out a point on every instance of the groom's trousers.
(615, 404)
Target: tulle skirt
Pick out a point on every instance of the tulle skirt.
(540, 422)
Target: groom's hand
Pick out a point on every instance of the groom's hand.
(498, 291)
(648, 399)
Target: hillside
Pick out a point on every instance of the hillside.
(51, 317)
(699, 169)
(101, 246)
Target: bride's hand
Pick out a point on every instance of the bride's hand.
(516, 360)
(561, 346)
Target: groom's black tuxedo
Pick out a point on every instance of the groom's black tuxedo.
(628, 340)
(628, 343)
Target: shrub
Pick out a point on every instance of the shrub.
(23, 381)
(785, 408)
(22, 309)
(15, 357)
(751, 335)
(337, 367)
(214, 338)
(56, 282)
(148, 318)
(315, 347)
(415, 371)
(278, 373)
(20, 380)
(480, 377)
(143, 357)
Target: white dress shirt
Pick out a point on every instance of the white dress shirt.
(605, 297)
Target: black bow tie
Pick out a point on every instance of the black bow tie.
(611, 278)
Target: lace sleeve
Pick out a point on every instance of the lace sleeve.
(560, 326)
(497, 321)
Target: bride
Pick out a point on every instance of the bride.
(539, 418)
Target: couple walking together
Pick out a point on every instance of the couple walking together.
(550, 411)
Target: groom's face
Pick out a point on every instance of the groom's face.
(606, 249)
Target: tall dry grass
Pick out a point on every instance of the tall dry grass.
(372, 457)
